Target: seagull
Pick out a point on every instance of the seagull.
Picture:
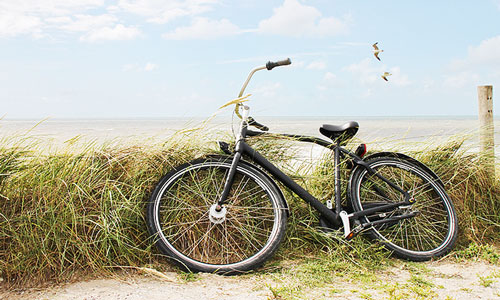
(385, 75)
(376, 50)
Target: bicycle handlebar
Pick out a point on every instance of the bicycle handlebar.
(270, 65)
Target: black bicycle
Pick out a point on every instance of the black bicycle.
(224, 214)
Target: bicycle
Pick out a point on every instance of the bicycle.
(225, 214)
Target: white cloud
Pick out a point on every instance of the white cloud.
(298, 20)
(48, 7)
(365, 71)
(117, 33)
(461, 79)
(330, 80)
(267, 90)
(367, 93)
(480, 65)
(203, 28)
(16, 24)
(429, 83)
(83, 23)
(150, 67)
(94, 27)
(297, 64)
(329, 76)
(398, 78)
(487, 53)
(163, 11)
(316, 65)
(352, 44)
(58, 20)
(50, 17)
(368, 73)
(130, 67)
(40, 18)
(113, 9)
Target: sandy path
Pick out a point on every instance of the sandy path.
(450, 280)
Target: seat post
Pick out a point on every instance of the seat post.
(338, 206)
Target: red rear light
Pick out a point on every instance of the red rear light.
(361, 150)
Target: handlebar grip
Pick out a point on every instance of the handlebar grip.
(252, 122)
(270, 65)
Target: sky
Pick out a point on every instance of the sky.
(171, 58)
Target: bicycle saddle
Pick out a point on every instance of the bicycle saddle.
(344, 132)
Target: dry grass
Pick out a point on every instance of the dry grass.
(82, 208)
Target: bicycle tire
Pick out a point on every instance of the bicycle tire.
(179, 217)
(431, 233)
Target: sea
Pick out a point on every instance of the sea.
(372, 130)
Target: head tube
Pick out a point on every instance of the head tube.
(243, 123)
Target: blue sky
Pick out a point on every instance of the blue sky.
(169, 58)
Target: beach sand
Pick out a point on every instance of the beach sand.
(445, 280)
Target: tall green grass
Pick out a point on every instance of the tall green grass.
(475, 193)
(82, 208)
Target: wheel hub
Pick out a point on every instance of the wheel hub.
(217, 216)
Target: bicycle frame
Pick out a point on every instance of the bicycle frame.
(336, 217)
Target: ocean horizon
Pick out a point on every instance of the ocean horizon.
(375, 129)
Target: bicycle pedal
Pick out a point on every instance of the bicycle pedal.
(355, 231)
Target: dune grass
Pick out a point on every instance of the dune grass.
(82, 208)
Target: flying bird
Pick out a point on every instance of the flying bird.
(385, 75)
(376, 50)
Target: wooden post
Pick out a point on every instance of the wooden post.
(487, 130)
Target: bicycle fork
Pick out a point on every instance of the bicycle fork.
(229, 181)
(236, 159)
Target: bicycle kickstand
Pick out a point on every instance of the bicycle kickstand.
(348, 233)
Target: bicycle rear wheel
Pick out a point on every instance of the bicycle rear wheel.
(243, 235)
(432, 232)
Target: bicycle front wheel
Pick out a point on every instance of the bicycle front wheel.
(243, 235)
(432, 232)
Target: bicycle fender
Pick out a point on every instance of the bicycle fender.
(256, 169)
(407, 158)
